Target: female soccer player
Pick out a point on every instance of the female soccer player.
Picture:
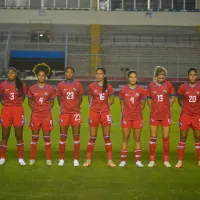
(13, 92)
(132, 98)
(41, 100)
(161, 97)
(69, 94)
(101, 97)
(189, 100)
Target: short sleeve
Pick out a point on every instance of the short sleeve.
(148, 92)
(143, 93)
(58, 90)
(53, 93)
(89, 90)
(30, 95)
(181, 90)
(121, 94)
(171, 89)
(110, 90)
(80, 90)
(24, 89)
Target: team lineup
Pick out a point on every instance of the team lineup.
(160, 96)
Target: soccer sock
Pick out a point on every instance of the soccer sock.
(76, 146)
(33, 146)
(62, 144)
(166, 149)
(138, 155)
(90, 147)
(152, 148)
(108, 146)
(124, 155)
(181, 150)
(3, 149)
(197, 146)
(20, 150)
(47, 143)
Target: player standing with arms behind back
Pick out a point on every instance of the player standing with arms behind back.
(101, 97)
(161, 97)
(41, 100)
(69, 94)
(189, 100)
(12, 95)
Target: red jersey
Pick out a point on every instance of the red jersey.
(99, 100)
(132, 101)
(41, 99)
(10, 95)
(160, 95)
(191, 99)
(69, 93)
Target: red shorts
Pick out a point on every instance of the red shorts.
(37, 122)
(97, 118)
(12, 115)
(165, 122)
(136, 124)
(186, 122)
(70, 119)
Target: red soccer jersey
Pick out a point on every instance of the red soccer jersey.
(132, 101)
(160, 95)
(99, 100)
(11, 97)
(191, 99)
(41, 99)
(69, 94)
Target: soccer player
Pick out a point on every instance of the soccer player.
(101, 97)
(161, 97)
(189, 100)
(69, 94)
(41, 100)
(132, 98)
(12, 95)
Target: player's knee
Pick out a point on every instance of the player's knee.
(4, 141)
(137, 140)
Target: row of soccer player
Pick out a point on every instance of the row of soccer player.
(159, 95)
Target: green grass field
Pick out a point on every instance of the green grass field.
(99, 181)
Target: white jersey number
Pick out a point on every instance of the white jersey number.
(70, 95)
(41, 100)
(192, 99)
(160, 98)
(102, 96)
(12, 96)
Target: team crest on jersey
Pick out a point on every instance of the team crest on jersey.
(46, 94)
(137, 94)
(126, 95)
(6, 90)
(64, 90)
(124, 122)
(198, 92)
(154, 92)
(164, 91)
(74, 89)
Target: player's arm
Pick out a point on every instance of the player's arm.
(172, 93)
(111, 99)
(122, 104)
(80, 97)
(172, 100)
(30, 102)
(58, 99)
(180, 95)
(52, 103)
(143, 102)
(89, 98)
(148, 95)
(24, 92)
(1, 100)
(180, 100)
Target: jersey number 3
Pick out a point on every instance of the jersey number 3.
(12, 96)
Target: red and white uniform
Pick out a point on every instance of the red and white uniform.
(99, 107)
(132, 111)
(190, 111)
(160, 106)
(41, 116)
(12, 110)
(69, 93)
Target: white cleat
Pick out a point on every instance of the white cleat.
(179, 164)
(31, 162)
(151, 164)
(2, 161)
(122, 164)
(139, 164)
(167, 164)
(48, 162)
(61, 162)
(76, 163)
(22, 162)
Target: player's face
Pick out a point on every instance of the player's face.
(160, 78)
(69, 74)
(132, 79)
(192, 77)
(100, 75)
(41, 77)
(12, 75)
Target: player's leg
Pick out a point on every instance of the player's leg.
(47, 144)
(76, 137)
(197, 144)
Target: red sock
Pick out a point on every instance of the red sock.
(181, 150)
(76, 146)
(152, 148)
(20, 150)
(90, 147)
(33, 146)
(62, 144)
(3, 149)
(197, 146)
(137, 155)
(166, 149)
(47, 143)
(124, 155)
(108, 146)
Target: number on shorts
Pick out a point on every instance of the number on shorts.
(102, 96)
(70, 95)
(41, 100)
(160, 98)
(12, 96)
(77, 117)
(109, 119)
(192, 99)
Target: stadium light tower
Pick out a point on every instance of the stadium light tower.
(124, 69)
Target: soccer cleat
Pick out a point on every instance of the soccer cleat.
(167, 164)
(122, 164)
(111, 163)
(48, 162)
(87, 163)
(76, 163)
(151, 164)
(139, 164)
(179, 164)
(2, 161)
(31, 162)
(22, 162)
(61, 162)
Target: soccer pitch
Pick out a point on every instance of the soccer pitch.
(99, 181)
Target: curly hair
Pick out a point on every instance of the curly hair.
(158, 71)
(42, 67)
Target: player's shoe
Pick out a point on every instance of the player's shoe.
(139, 164)
(122, 164)
(111, 163)
(87, 163)
(31, 162)
(48, 162)
(76, 163)
(61, 162)
(151, 164)
(21, 162)
(179, 164)
(2, 161)
(167, 164)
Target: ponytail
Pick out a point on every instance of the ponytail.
(105, 81)
(19, 85)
